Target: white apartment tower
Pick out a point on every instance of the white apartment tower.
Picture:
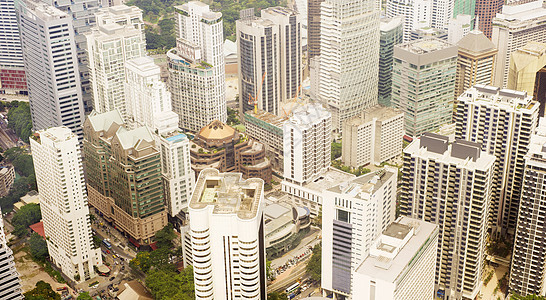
(416, 14)
(502, 121)
(10, 284)
(122, 15)
(513, 28)
(528, 267)
(450, 185)
(307, 144)
(63, 201)
(109, 46)
(51, 64)
(458, 28)
(349, 61)
(196, 67)
(227, 237)
(354, 214)
(401, 264)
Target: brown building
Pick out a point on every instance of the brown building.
(485, 11)
(123, 173)
(7, 176)
(219, 146)
(313, 28)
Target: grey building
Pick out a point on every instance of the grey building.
(428, 32)
(51, 62)
(10, 284)
(392, 33)
(12, 68)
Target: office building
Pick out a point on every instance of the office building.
(196, 67)
(7, 177)
(517, 25)
(109, 46)
(502, 121)
(485, 11)
(416, 14)
(441, 13)
(428, 32)
(450, 185)
(10, 284)
(348, 74)
(313, 28)
(458, 28)
(124, 178)
(12, 67)
(391, 33)
(466, 8)
(227, 217)
(475, 61)
(401, 264)
(266, 128)
(63, 202)
(527, 72)
(55, 95)
(373, 137)
(354, 214)
(423, 83)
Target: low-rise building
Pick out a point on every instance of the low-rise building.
(266, 128)
(282, 223)
(7, 176)
(373, 137)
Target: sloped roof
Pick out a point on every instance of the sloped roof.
(103, 122)
(216, 130)
(475, 41)
(135, 138)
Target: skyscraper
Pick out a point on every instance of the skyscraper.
(502, 121)
(313, 28)
(465, 7)
(458, 28)
(47, 38)
(528, 267)
(10, 284)
(227, 237)
(120, 14)
(354, 214)
(196, 67)
(441, 13)
(12, 67)
(416, 14)
(391, 34)
(485, 11)
(423, 83)
(63, 201)
(517, 25)
(475, 61)
(109, 46)
(450, 186)
(349, 57)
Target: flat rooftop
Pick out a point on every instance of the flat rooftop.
(380, 112)
(267, 117)
(229, 193)
(499, 97)
(329, 179)
(426, 45)
(367, 184)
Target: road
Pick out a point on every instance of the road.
(285, 281)
(7, 137)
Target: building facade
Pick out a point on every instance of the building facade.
(313, 28)
(55, 94)
(416, 14)
(391, 33)
(423, 83)
(196, 67)
(373, 137)
(63, 202)
(12, 67)
(458, 28)
(450, 185)
(10, 284)
(485, 11)
(475, 61)
(7, 177)
(266, 128)
(354, 214)
(502, 121)
(227, 217)
(401, 264)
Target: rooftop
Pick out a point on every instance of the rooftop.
(378, 112)
(499, 97)
(145, 66)
(103, 122)
(521, 12)
(425, 45)
(388, 24)
(476, 43)
(267, 117)
(217, 130)
(361, 187)
(328, 179)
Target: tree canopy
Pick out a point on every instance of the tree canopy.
(164, 238)
(38, 247)
(84, 296)
(313, 268)
(528, 297)
(27, 215)
(42, 291)
(167, 285)
(19, 120)
(22, 162)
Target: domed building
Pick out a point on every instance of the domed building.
(219, 146)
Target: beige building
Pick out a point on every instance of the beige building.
(124, 176)
(527, 71)
(7, 176)
(475, 61)
(372, 137)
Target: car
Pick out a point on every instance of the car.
(63, 288)
(123, 268)
(108, 251)
(114, 256)
(112, 278)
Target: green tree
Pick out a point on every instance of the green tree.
(276, 296)
(167, 285)
(19, 120)
(27, 215)
(42, 291)
(84, 296)
(20, 230)
(313, 267)
(336, 150)
(96, 241)
(164, 237)
(528, 297)
(38, 247)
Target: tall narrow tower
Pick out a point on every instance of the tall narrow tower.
(12, 67)
(10, 284)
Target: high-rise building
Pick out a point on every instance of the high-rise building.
(109, 46)
(55, 95)
(517, 25)
(528, 267)
(458, 28)
(527, 72)
(450, 185)
(7, 177)
(485, 11)
(122, 15)
(63, 202)
(373, 137)
(441, 14)
(391, 33)
(467, 8)
(313, 28)
(428, 32)
(309, 127)
(196, 67)
(354, 214)
(12, 67)
(10, 284)
(475, 61)
(502, 121)
(416, 14)
(423, 83)
(124, 178)
(227, 217)
(349, 57)
(401, 263)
